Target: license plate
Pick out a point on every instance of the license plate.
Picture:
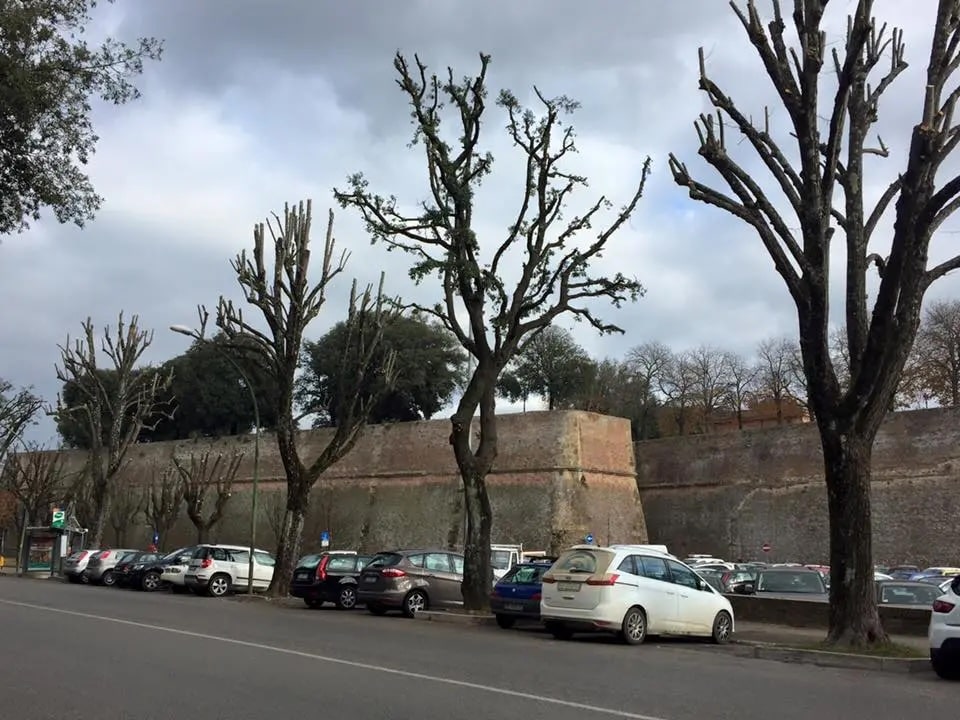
(303, 576)
(568, 586)
(515, 607)
(370, 579)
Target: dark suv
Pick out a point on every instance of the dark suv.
(328, 577)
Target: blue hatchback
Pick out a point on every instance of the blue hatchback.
(516, 596)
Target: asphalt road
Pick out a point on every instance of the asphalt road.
(85, 653)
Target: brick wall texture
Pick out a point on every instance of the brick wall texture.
(729, 493)
(558, 476)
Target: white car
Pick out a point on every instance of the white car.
(175, 569)
(944, 633)
(221, 569)
(630, 590)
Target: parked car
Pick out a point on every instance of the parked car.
(146, 573)
(218, 570)
(74, 567)
(902, 572)
(126, 571)
(941, 572)
(905, 592)
(174, 571)
(944, 633)
(788, 582)
(734, 580)
(516, 596)
(411, 581)
(328, 577)
(100, 567)
(630, 591)
(712, 576)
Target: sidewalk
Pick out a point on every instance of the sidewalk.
(786, 635)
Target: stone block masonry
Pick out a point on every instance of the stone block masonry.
(730, 493)
(558, 476)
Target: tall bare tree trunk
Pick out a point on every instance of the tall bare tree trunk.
(854, 617)
(289, 544)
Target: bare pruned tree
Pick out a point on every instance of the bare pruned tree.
(743, 384)
(776, 376)
(711, 380)
(938, 345)
(126, 507)
(648, 362)
(164, 500)
(289, 302)
(18, 408)
(202, 473)
(136, 401)
(677, 384)
(274, 508)
(816, 174)
(491, 319)
(35, 477)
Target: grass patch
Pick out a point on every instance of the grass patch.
(889, 650)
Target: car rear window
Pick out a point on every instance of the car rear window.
(385, 560)
(583, 561)
(309, 561)
(525, 575)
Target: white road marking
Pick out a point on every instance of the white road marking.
(346, 663)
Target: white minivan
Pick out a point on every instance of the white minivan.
(632, 591)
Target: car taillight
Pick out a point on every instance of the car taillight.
(322, 568)
(536, 596)
(104, 555)
(207, 562)
(942, 606)
(548, 579)
(609, 579)
(392, 573)
(82, 556)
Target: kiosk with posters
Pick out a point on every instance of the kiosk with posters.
(45, 547)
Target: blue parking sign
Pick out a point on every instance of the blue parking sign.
(324, 538)
(588, 539)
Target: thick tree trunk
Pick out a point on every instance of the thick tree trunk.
(288, 546)
(854, 618)
(202, 533)
(478, 572)
(100, 520)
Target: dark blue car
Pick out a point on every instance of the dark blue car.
(516, 596)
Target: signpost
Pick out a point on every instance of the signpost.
(588, 539)
(59, 518)
(766, 547)
(324, 538)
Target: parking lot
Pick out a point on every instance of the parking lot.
(89, 652)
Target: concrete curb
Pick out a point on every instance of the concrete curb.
(454, 618)
(824, 658)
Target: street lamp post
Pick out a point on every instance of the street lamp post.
(190, 332)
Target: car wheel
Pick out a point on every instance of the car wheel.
(108, 578)
(151, 581)
(376, 609)
(722, 628)
(313, 603)
(946, 667)
(633, 629)
(415, 601)
(347, 599)
(505, 621)
(84, 578)
(219, 585)
(559, 631)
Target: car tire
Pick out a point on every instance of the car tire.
(415, 601)
(947, 667)
(150, 582)
(347, 598)
(108, 578)
(506, 621)
(84, 578)
(376, 609)
(559, 631)
(313, 603)
(722, 628)
(219, 585)
(633, 629)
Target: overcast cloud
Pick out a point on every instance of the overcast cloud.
(260, 103)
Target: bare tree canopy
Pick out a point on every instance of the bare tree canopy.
(115, 412)
(18, 408)
(127, 504)
(938, 352)
(163, 500)
(35, 476)
(494, 303)
(288, 303)
(201, 474)
(813, 193)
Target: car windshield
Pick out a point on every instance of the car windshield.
(126, 557)
(385, 560)
(170, 557)
(790, 582)
(500, 559)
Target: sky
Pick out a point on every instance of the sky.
(258, 104)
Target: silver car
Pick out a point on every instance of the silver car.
(74, 567)
(100, 567)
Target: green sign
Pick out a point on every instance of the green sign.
(59, 519)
